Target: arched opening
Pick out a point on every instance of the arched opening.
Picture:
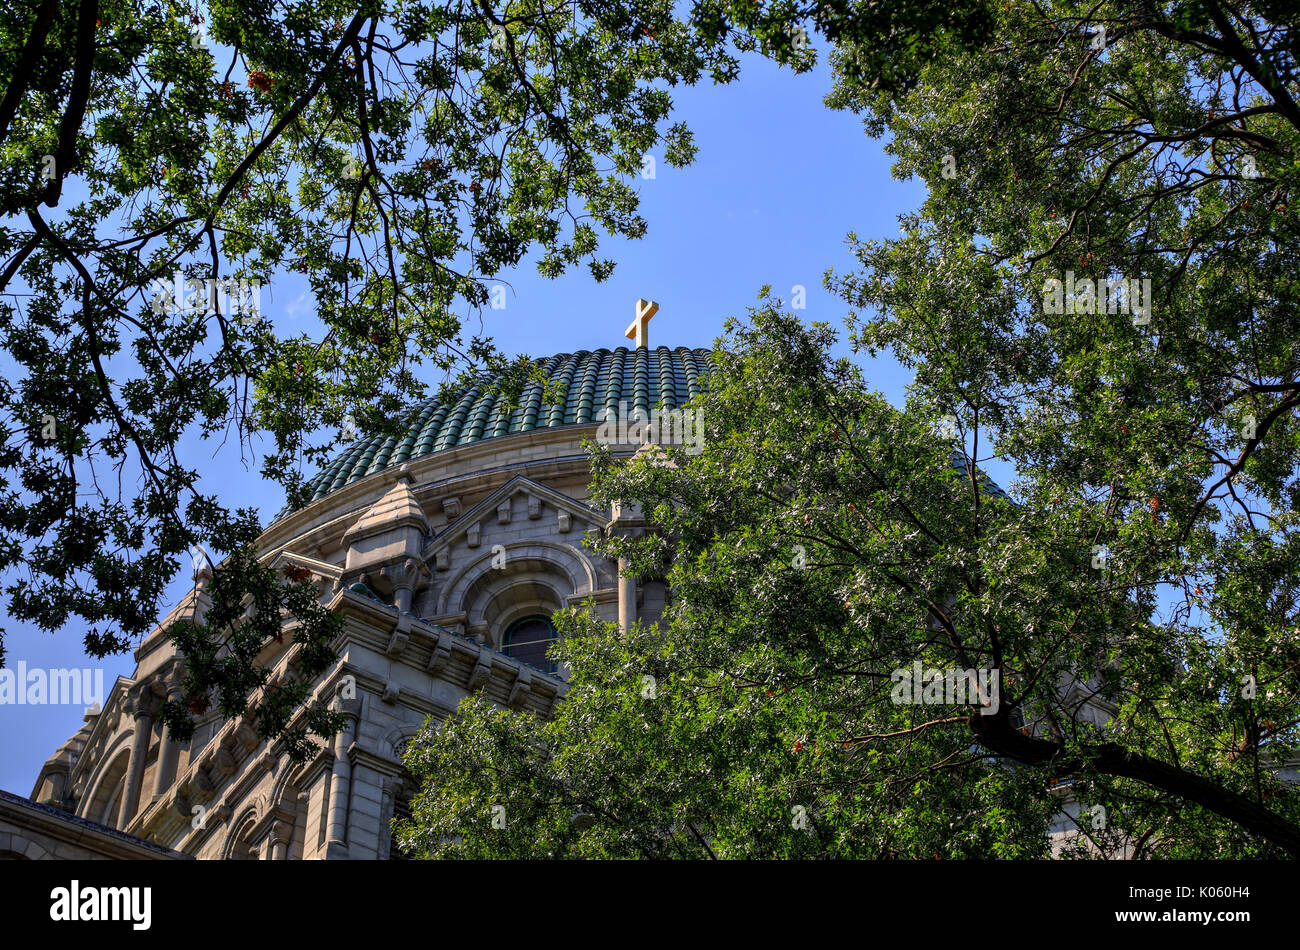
(239, 847)
(528, 639)
(104, 801)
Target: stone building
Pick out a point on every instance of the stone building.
(446, 549)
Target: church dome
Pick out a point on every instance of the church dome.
(592, 381)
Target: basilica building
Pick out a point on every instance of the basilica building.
(446, 549)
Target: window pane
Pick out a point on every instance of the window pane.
(528, 640)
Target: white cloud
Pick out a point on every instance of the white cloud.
(293, 308)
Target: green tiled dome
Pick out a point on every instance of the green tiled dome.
(591, 381)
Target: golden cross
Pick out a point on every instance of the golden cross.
(639, 328)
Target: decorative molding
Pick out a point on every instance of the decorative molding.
(522, 687)
(440, 655)
(482, 671)
(400, 639)
(497, 500)
(246, 737)
(567, 561)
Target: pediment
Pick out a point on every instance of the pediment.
(569, 514)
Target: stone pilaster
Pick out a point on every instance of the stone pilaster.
(626, 597)
(168, 749)
(336, 835)
(144, 707)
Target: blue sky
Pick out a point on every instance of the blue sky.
(778, 182)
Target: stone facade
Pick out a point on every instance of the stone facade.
(429, 562)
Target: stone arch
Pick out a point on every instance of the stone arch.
(107, 785)
(283, 800)
(543, 557)
(499, 605)
(237, 846)
(399, 736)
(284, 790)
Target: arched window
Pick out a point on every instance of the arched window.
(527, 640)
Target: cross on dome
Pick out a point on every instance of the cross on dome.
(639, 328)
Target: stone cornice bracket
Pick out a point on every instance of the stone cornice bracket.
(400, 639)
(204, 779)
(405, 573)
(522, 687)
(407, 577)
(247, 738)
(181, 802)
(441, 653)
(394, 785)
(482, 671)
(171, 676)
(626, 514)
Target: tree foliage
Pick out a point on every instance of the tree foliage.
(398, 155)
(1137, 593)
(821, 543)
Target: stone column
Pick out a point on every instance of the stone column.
(144, 707)
(279, 840)
(626, 597)
(168, 755)
(341, 780)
